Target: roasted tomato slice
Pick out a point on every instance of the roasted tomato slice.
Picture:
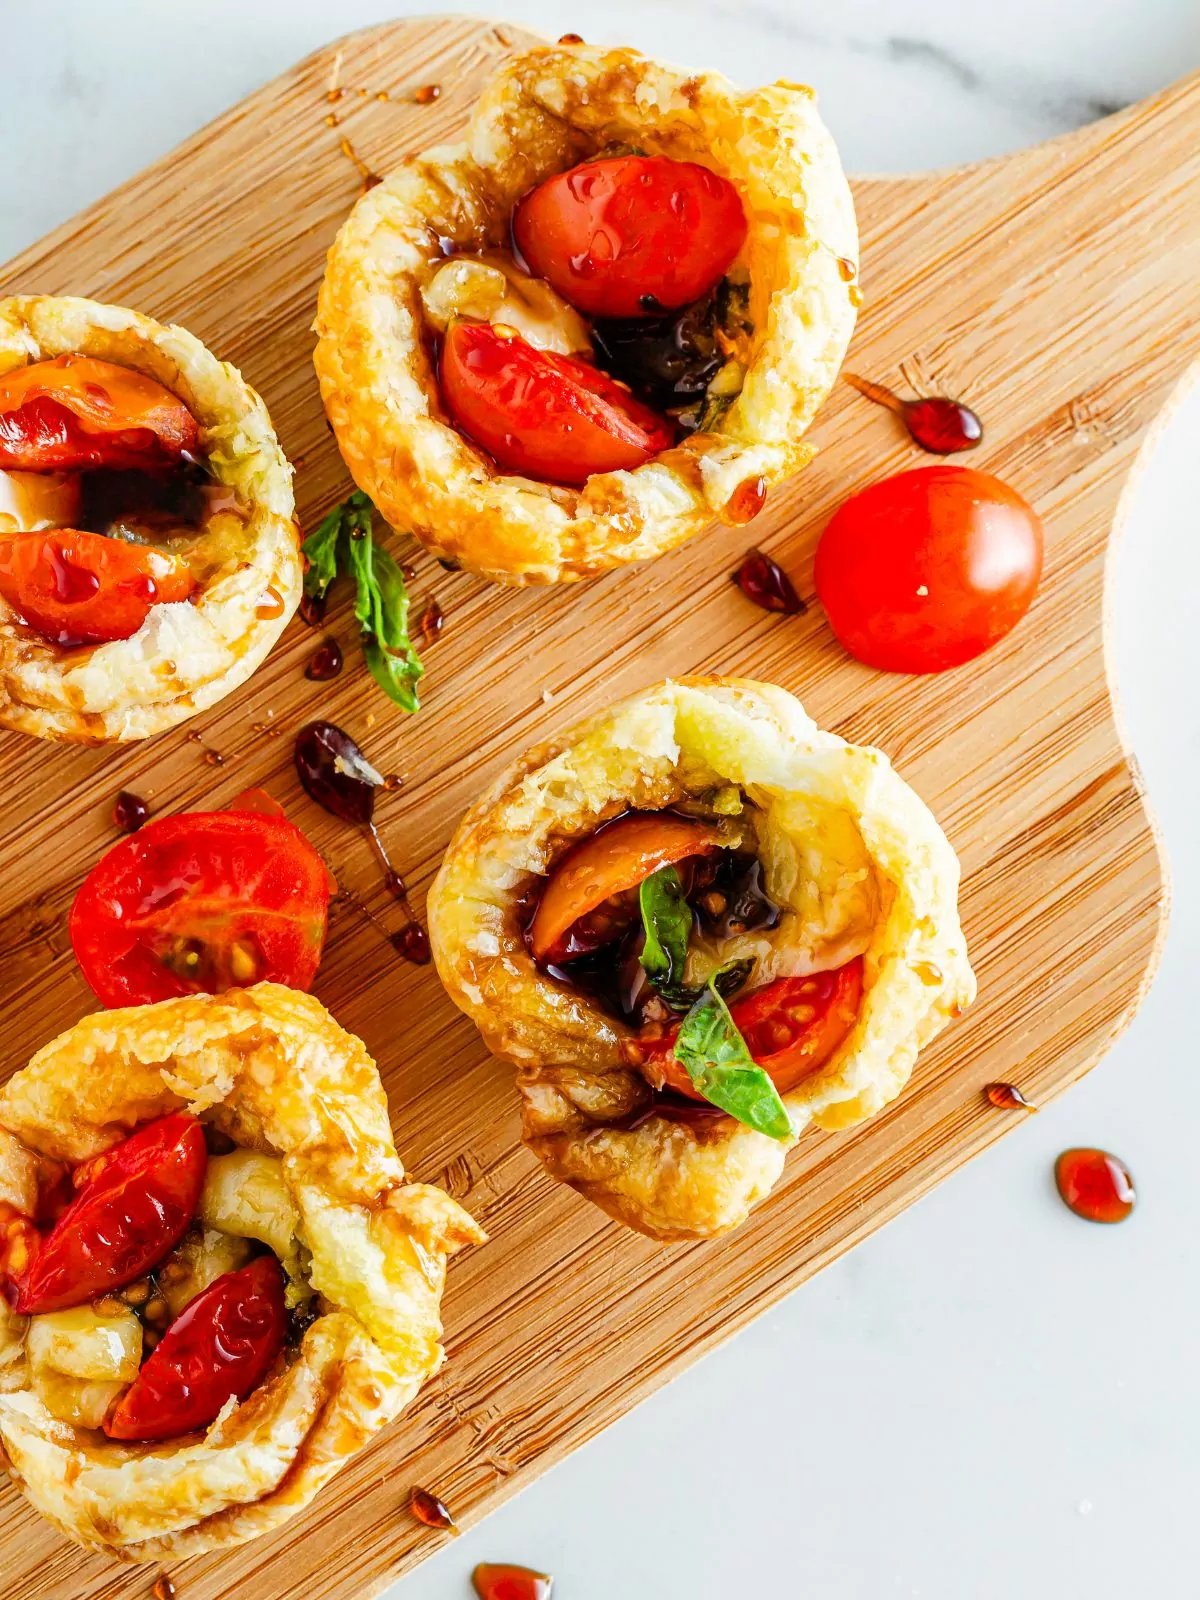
(925, 570)
(614, 858)
(631, 236)
(544, 415)
(220, 1346)
(77, 412)
(791, 1027)
(84, 588)
(203, 902)
(136, 1204)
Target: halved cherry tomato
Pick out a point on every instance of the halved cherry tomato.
(791, 1027)
(77, 412)
(544, 415)
(258, 800)
(135, 1208)
(617, 856)
(928, 568)
(220, 1346)
(200, 903)
(84, 588)
(630, 236)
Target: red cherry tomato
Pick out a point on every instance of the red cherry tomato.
(544, 415)
(200, 903)
(84, 588)
(221, 1345)
(791, 1027)
(138, 1202)
(615, 857)
(259, 800)
(928, 568)
(631, 235)
(77, 412)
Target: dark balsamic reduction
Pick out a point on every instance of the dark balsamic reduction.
(312, 609)
(766, 583)
(164, 1588)
(669, 360)
(936, 423)
(427, 1508)
(433, 620)
(325, 662)
(501, 1580)
(1007, 1097)
(129, 811)
(337, 775)
(1095, 1185)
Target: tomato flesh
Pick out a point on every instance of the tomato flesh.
(258, 800)
(131, 1212)
(928, 568)
(616, 857)
(221, 1346)
(631, 236)
(544, 415)
(80, 588)
(79, 412)
(201, 903)
(791, 1027)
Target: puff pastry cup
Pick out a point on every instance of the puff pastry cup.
(269, 1067)
(850, 854)
(542, 112)
(187, 655)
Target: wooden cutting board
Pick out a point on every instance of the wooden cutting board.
(1056, 291)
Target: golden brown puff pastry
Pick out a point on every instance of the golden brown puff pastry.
(270, 1068)
(542, 112)
(852, 856)
(188, 655)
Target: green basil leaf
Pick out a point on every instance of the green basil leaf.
(381, 606)
(667, 920)
(320, 552)
(716, 1059)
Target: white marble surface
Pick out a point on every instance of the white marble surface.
(989, 1399)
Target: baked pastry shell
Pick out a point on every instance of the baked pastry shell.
(543, 111)
(188, 655)
(850, 850)
(271, 1068)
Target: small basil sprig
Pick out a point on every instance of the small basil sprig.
(718, 1062)
(343, 541)
(667, 921)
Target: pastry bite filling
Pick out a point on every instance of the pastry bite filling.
(664, 919)
(158, 1281)
(614, 323)
(108, 502)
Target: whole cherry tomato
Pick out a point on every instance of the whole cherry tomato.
(541, 414)
(791, 1027)
(616, 857)
(78, 412)
(201, 903)
(927, 569)
(138, 1201)
(631, 236)
(84, 588)
(221, 1345)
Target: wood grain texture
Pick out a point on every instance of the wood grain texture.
(1056, 291)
